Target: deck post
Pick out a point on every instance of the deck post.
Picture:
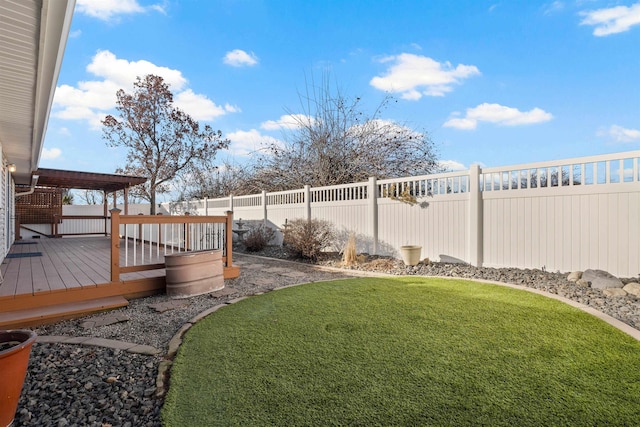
(54, 226)
(105, 210)
(115, 245)
(229, 238)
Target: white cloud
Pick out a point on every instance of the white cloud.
(240, 58)
(244, 143)
(288, 121)
(232, 108)
(92, 100)
(612, 20)
(498, 114)
(123, 73)
(620, 134)
(553, 7)
(51, 154)
(451, 165)
(107, 10)
(199, 106)
(414, 76)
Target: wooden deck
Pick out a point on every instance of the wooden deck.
(50, 265)
(72, 274)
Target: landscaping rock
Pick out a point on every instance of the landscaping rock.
(105, 320)
(614, 292)
(601, 279)
(161, 307)
(574, 276)
(451, 260)
(582, 283)
(632, 288)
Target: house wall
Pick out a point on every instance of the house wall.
(7, 208)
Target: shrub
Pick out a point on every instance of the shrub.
(307, 239)
(350, 255)
(257, 238)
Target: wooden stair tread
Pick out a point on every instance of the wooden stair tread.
(52, 313)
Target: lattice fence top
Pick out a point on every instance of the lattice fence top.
(40, 207)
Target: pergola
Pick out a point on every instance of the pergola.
(108, 183)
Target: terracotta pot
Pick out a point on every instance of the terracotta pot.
(15, 348)
(411, 254)
(194, 273)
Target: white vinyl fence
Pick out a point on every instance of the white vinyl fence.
(564, 215)
(80, 226)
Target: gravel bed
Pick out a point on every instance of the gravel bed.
(71, 385)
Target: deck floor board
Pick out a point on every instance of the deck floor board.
(67, 264)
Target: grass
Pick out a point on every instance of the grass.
(403, 351)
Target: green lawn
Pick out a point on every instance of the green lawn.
(403, 352)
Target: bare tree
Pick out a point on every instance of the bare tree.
(91, 197)
(335, 142)
(212, 181)
(162, 141)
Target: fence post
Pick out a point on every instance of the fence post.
(264, 208)
(372, 194)
(475, 217)
(229, 238)
(115, 244)
(307, 201)
(206, 206)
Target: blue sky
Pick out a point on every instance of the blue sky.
(495, 83)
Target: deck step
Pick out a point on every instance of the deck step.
(54, 313)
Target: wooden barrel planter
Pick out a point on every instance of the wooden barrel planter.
(15, 348)
(194, 273)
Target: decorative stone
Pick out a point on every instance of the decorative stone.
(107, 320)
(614, 292)
(161, 307)
(574, 276)
(601, 279)
(451, 260)
(262, 281)
(632, 288)
(582, 283)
